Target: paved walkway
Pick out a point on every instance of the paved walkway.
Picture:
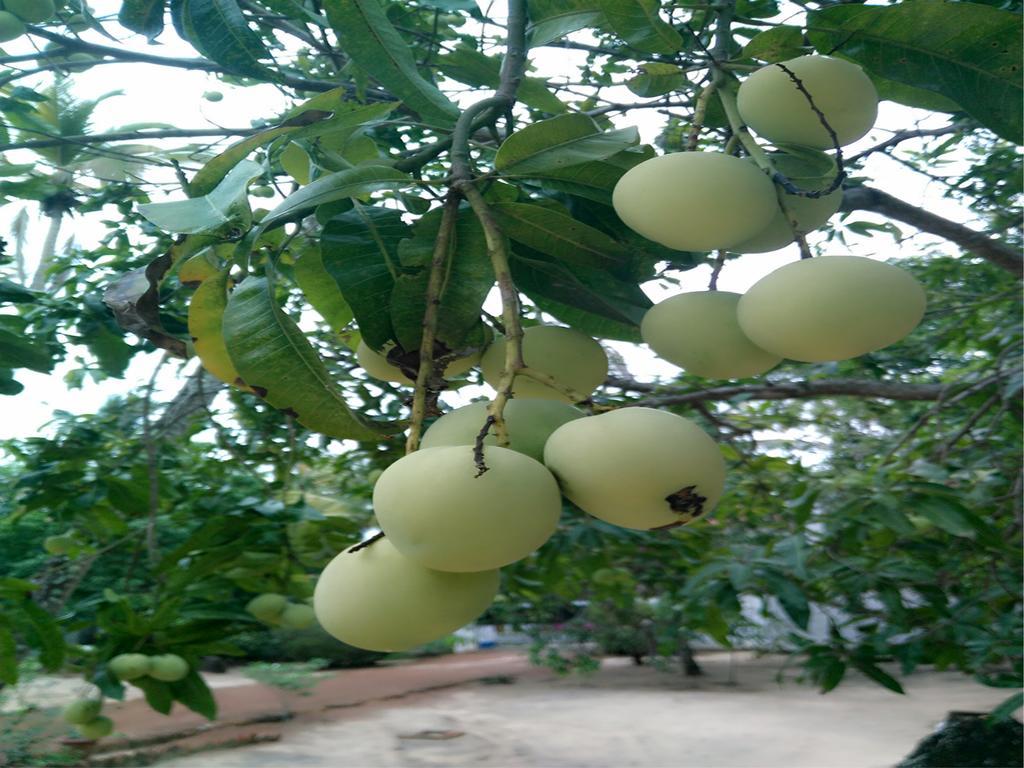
(253, 712)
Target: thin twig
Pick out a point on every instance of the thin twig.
(152, 468)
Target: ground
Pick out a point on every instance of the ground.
(440, 713)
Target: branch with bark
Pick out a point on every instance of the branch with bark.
(875, 200)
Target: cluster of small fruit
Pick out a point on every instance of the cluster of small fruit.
(449, 528)
(814, 310)
(277, 611)
(15, 14)
(85, 715)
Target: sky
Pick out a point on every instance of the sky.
(154, 94)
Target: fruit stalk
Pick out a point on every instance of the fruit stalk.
(428, 371)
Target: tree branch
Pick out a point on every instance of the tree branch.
(870, 199)
(103, 138)
(901, 136)
(790, 390)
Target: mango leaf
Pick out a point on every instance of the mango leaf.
(470, 66)
(595, 180)
(368, 37)
(158, 694)
(791, 597)
(639, 23)
(274, 358)
(193, 692)
(776, 44)
(657, 79)
(18, 350)
(591, 300)
(351, 182)
(948, 514)
(561, 236)
(205, 326)
(223, 209)
(360, 252)
(47, 634)
(219, 31)
(562, 141)
(321, 291)
(553, 19)
(968, 52)
(908, 95)
(143, 16)
(467, 281)
(877, 674)
(1006, 709)
(16, 587)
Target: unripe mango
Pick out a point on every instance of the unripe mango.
(82, 711)
(436, 508)
(695, 201)
(267, 607)
(31, 11)
(699, 332)
(129, 666)
(639, 468)
(572, 359)
(375, 598)
(97, 728)
(11, 27)
(168, 667)
(831, 308)
(772, 105)
(298, 616)
(529, 422)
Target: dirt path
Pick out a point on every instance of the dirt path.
(622, 716)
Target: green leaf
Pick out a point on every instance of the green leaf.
(351, 182)
(968, 52)
(468, 279)
(560, 236)
(143, 16)
(193, 692)
(470, 66)
(321, 291)
(591, 300)
(219, 31)
(553, 19)
(1006, 709)
(948, 514)
(877, 674)
(20, 351)
(639, 23)
(8, 657)
(47, 634)
(158, 694)
(890, 90)
(15, 294)
(791, 597)
(595, 180)
(16, 587)
(657, 79)
(225, 208)
(560, 142)
(368, 37)
(832, 675)
(274, 358)
(891, 517)
(776, 44)
(360, 252)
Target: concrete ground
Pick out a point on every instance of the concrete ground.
(621, 716)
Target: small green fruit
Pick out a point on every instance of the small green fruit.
(298, 616)
(213, 95)
(267, 607)
(379, 367)
(129, 666)
(82, 711)
(168, 667)
(377, 599)
(572, 359)
(530, 422)
(11, 27)
(98, 728)
(262, 191)
(60, 545)
(31, 11)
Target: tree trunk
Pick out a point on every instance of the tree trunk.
(48, 252)
(690, 666)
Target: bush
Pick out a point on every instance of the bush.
(303, 645)
(967, 740)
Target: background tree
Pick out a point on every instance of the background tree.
(420, 164)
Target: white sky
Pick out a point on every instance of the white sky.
(164, 95)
